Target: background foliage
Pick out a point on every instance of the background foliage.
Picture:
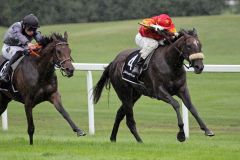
(73, 11)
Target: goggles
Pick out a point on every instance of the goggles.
(31, 29)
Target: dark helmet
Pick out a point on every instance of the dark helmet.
(30, 21)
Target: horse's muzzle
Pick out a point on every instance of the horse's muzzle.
(69, 72)
(198, 68)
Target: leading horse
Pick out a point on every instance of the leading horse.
(164, 78)
(36, 81)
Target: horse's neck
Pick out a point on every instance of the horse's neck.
(173, 55)
(45, 62)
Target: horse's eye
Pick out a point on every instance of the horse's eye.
(188, 47)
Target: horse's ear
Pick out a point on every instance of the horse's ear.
(181, 33)
(54, 37)
(195, 32)
(184, 32)
(65, 35)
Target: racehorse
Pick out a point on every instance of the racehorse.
(36, 81)
(164, 78)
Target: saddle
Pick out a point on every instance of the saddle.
(129, 64)
(9, 86)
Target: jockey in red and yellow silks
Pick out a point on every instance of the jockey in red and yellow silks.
(148, 38)
(162, 20)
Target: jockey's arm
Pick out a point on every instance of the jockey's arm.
(17, 32)
(148, 22)
(157, 27)
(38, 37)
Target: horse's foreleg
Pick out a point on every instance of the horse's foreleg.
(119, 117)
(185, 96)
(165, 96)
(31, 127)
(56, 101)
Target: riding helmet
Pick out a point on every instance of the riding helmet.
(30, 21)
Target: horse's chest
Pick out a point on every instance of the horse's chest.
(174, 85)
(46, 91)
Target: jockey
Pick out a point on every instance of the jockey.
(17, 41)
(148, 38)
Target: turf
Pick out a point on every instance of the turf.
(216, 96)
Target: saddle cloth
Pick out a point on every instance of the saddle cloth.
(129, 64)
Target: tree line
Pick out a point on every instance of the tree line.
(77, 11)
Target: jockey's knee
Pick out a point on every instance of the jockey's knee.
(149, 48)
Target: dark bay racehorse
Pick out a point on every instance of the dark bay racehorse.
(164, 78)
(36, 80)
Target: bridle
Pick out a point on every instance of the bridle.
(59, 63)
(191, 57)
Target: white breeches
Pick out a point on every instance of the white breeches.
(147, 45)
(9, 51)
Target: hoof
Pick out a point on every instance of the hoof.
(113, 140)
(81, 133)
(140, 141)
(209, 133)
(181, 136)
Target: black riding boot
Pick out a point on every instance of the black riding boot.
(5, 76)
(137, 68)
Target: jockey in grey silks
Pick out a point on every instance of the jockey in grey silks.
(17, 41)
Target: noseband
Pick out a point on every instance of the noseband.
(59, 63)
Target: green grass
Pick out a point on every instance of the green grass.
(216, 96)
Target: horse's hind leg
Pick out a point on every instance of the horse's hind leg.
(131, 122)
(119, 117)
(128, 99)
(185, 96)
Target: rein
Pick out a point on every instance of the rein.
(180, 52)
(59, 63)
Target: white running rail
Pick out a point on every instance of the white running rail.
(89, 67)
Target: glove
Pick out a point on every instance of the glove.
(31, 46)
(26, 52)
(27, 49)
(176, 34)
(157, 27)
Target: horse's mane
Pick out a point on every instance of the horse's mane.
(48, 39)
(192, 32)
(183, 32)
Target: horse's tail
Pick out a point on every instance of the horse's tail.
(104, 81)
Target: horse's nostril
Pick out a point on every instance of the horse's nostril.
(69, 70)
(196, 67)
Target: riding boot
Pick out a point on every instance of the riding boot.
(5, 76)
(137, 68)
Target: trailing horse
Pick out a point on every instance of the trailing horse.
(36, 81)
(164, 78)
